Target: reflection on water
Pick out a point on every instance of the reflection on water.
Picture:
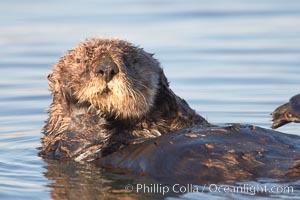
(86, 181)
(233, 62)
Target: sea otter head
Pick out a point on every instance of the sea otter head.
(110, 75)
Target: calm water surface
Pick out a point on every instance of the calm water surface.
(233, 61)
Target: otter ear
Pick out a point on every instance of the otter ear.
(59, 90)
(49, 76)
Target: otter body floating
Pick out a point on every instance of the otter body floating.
(202, 155)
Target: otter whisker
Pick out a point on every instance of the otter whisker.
(132, 92)
(141, 84)
(143, 96)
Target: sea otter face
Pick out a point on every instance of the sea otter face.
(111, 75)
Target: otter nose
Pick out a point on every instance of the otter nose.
(108, 69)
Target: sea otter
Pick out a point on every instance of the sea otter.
(112, 104)
(108, 93)
(286, 113)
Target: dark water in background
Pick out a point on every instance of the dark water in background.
(233, 61)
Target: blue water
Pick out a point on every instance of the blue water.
(233, 61)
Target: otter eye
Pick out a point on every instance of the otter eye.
(78, 60)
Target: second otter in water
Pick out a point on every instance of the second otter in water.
(286, 113)
(107, 93)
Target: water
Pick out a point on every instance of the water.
(233, 61)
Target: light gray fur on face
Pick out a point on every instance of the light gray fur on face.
(131, 92)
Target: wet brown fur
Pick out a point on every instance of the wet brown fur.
(86, 122)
